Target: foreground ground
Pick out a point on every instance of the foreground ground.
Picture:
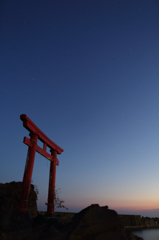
(92, 223)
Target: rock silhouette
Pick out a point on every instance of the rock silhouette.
(92, 223)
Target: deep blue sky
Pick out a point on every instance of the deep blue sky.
(87, 74)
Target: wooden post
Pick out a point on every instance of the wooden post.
(52, 177)
(28, 173)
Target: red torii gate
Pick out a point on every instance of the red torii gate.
(35, 134)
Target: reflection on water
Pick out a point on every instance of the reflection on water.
(148, 234)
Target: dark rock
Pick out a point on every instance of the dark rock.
(97, 223)
(10, 195)
(38, 220)
(92, 223)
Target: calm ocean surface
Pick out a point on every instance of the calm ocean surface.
(148, 234)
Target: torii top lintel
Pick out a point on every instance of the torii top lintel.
(32, 128)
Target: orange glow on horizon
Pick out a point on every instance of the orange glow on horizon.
(134, 205)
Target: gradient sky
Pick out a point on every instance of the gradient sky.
(87, 74)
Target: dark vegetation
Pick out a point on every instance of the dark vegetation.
(58, 203)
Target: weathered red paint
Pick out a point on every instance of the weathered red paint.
(43, 152)
(35, 134)
(31, 127)
(28, 173)
(51, 193)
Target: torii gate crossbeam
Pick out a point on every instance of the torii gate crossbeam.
(35, 134)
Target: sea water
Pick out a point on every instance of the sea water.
(148, 234)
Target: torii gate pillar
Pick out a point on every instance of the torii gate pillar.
(35, 134)
(51, 193)
(28, 173)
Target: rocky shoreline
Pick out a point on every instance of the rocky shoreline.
(92, 223)
(138, 222)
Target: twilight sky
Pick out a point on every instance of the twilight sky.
(87, 74)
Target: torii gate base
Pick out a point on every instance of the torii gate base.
(35, 134)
